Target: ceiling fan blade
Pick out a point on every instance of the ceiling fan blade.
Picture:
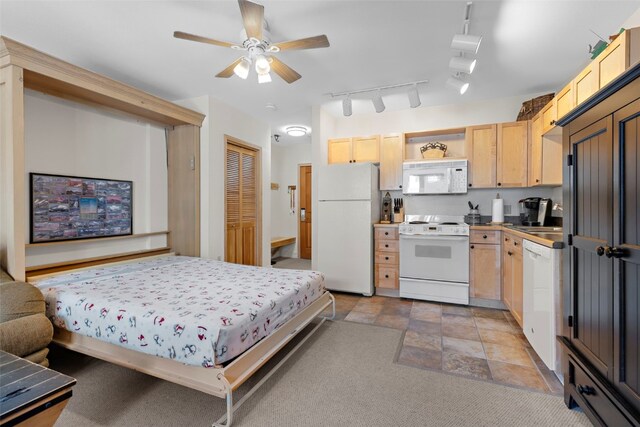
(287, 73)
(308, 43)
(228, 72)
(193, 37)
(252, 17)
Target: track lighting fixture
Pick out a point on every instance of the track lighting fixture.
(466, 43)
(346, 106)
(378, 103)
(460, 64)
(242, 69)
(414, 96)
(457, 84)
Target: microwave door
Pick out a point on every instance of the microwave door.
(428, 181)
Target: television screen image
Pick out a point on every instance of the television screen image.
(69, 207)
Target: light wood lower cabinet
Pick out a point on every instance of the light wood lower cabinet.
(485, 266)
(512, 275)
(387, 257)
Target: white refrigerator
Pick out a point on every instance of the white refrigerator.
(348, 206)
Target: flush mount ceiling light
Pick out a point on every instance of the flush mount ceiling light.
(466, 43)
(378, 103)
(458, 84)
(461, 64)
(347, 106)
(414, 97)
(296, 130)
(242, 69)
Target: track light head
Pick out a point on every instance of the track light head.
(346, 106)
(378, 103)
(414, 96)
(466, 43)
(460, 64)
(458, 84)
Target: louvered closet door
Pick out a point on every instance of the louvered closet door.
(626, 255)
(241, 206)
(592, 228)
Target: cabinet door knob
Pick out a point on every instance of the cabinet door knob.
(509, 253)
(386, 258)
(471, 246)
(400, 186)
(599, 251)
(537, 180)
(506, 239)
(386, 246)
(386, 276)
(499, 184)
(470, 185)
(515, 243)
(585, 389)
(484, 236)
(552, 122)
(386, 233)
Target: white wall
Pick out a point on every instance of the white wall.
(285, 161)
(633, 21)
(222, 119)
(66, 138)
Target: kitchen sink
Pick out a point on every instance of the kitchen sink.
(538, 230)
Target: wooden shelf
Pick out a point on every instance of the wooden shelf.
(96, 239)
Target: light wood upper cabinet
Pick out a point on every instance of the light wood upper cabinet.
(391, 149)
(614, 59)
(339, 150)
(565, 100)
(586, 83)
(481, 146)
(535, 152)
(366, 149)
(548, 116)
(513, 144)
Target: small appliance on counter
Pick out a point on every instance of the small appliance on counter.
(535, 211)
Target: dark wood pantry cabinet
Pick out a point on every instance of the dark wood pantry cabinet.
(601, 259)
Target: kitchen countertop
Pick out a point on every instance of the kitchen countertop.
(386, 225)
(550, 240)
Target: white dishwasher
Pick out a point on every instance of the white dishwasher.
(541, 302)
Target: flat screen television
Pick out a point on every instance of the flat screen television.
(73, 207)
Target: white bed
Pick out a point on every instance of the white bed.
(205, 324)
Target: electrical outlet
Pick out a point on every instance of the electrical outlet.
(507, 209)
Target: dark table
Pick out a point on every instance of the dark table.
(31, 395)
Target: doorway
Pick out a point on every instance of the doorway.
(243, 210)
(304, 217)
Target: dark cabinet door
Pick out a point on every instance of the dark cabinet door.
(625, 253)
(592, 228)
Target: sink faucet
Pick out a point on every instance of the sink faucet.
(557, 207)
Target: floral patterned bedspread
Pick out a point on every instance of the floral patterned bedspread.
(197, 311)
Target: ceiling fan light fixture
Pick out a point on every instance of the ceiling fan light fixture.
(296, 130)
(462, 65)
(414, 97)
(262, 65)
(378, 103)
(264, 78)
(242, 69)
(347, 106)
(458, 84)
(466, 43)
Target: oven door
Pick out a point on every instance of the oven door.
(442, 258)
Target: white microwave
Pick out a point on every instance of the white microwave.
(435, 177)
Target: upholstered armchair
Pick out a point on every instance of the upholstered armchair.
(24, 329)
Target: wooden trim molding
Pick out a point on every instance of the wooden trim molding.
(48, 74)
(98, 239)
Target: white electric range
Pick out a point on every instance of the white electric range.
(434, 258)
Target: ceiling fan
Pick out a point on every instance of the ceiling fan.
(258, 47)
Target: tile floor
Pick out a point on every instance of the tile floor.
(482, 343)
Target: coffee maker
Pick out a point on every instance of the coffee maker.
(535, 211)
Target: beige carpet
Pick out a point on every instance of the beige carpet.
(343, 376)
(292, 263)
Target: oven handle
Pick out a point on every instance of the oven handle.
(427, 237)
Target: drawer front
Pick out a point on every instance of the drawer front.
(517, 244)
(511, 243)
(480, 236)
(389, 258)
(387, 277)
(387, 245)
(593, 397)
(386, 233)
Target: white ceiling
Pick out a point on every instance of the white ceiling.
(528, 47)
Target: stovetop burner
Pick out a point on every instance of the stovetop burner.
(418, 222)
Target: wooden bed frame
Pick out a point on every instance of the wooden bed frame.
(221, 380)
